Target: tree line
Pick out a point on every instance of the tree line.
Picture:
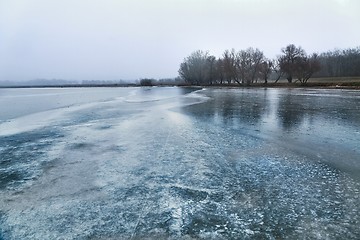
(249, 66)
(340, 63)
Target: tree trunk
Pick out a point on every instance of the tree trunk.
(289, 78)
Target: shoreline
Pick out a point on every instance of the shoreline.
(324, 85)
(338, 85)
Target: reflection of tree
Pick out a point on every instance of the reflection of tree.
(233, 107)
(290, 111)
(239, 107)
(316, 106)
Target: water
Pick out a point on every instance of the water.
(170, 163)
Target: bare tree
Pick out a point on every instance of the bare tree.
(296, 64)
(248, 64)
(291, 57)
(265, 70)
(244, 65)
(212, 70)
(220, 71)
(275, 67)
(257, 57)
(306, 67)
(198, 68)
(230, 66)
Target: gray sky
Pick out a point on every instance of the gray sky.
(131, 39)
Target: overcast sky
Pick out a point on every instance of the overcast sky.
(132, 39)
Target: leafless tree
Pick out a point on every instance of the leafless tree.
(306, 67)
(340, 63)
(248, 64)
(220, 71)
(265, 70)
(257, 58)
(275, 67)
(212, 72)
(296, 64)
(197, 68)
(292, 55)
(230, 66)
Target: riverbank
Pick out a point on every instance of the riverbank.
(328, 83)
(337, 85)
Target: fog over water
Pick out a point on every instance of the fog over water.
(132, 39)
(179, 163)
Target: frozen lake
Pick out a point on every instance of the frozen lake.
(179, 163)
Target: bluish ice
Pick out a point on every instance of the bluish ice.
(179, 163)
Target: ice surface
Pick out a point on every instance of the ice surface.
(179, 163)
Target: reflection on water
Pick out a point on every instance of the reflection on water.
(292, 159)
(171, 163)
(308, 119)
(288, 108)
(290, 112)
(233, 107)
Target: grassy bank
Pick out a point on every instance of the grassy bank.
(340, 82)
(335, 80)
